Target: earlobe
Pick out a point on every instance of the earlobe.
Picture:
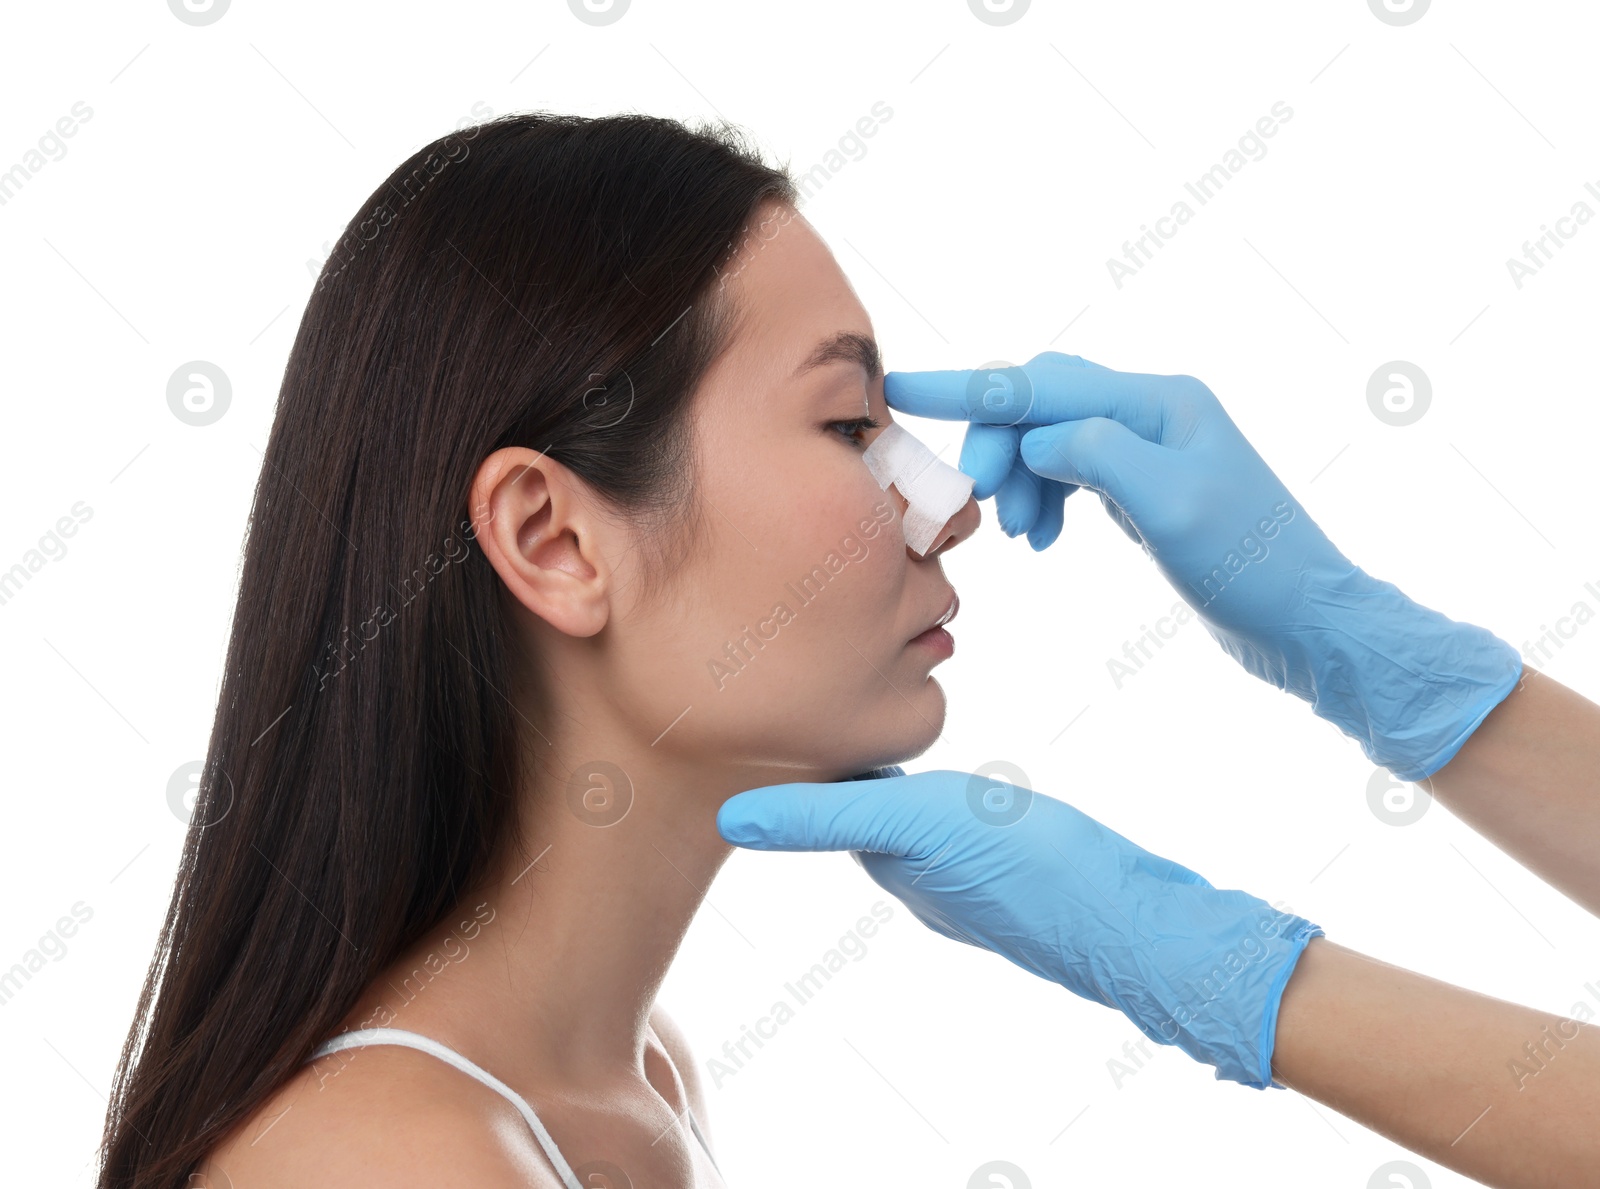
(534, 523)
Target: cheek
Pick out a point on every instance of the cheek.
(801, 504)
(785, 640)
(829, 550)
(841, 569)
(847, 524)
(806, 551)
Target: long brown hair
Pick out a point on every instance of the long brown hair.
(539, 280)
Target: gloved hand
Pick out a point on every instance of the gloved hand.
(1034, 880)
(1174, 472)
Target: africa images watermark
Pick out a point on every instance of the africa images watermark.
(355, 238)
(1536, 253)
(753, 241)
(1269, 922)
(49, 147)
(1232, 962)
(851, 147)
(1538, 652)
(49, 548)
(449, 953)
(1537, 1055)
(343, 650)
(738, 652)
(1138, 651)
(51, 945)
(1137, 253)
(736, 1054)
(1252, 549)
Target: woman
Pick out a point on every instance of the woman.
(563, 538)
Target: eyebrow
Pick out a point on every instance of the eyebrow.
(849, 346)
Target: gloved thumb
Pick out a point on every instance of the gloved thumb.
(869, 815)
(1096, 452)
(987, 454)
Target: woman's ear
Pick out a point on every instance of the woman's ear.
(536, 523)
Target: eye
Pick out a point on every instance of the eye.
(851, 429)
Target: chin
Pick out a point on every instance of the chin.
(898, 733)
(921, 732)
(933, 708)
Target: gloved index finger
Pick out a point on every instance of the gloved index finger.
(1050, 388)
(940, 395)
(886, 816)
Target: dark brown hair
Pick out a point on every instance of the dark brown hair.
(545, 281)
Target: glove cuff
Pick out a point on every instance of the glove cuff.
(1269, 1020)
(1406, 682)
(1220, 1003)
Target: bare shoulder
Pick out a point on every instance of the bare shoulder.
(384, 1115)
(678, 1048)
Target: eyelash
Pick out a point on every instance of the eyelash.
(856, 425)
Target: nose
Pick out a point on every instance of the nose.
(956, 530)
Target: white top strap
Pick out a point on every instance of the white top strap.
(415, 1040)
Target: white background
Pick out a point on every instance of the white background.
(976, 226)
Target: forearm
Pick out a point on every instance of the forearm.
(1500, 1092)
(1528, 779)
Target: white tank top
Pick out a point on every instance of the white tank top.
(415, 1040)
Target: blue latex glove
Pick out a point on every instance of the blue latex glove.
(1174, 472)
(1034, 880)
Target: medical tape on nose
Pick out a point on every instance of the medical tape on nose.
(934, 490)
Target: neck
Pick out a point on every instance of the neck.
(614, 861)
(571, 936)
(551, 964)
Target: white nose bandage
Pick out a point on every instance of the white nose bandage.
(934, 490)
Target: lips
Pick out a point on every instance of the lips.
(946, 616)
